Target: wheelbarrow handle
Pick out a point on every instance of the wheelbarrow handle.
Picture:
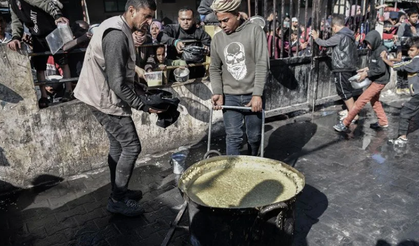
(236, 107)
(262, 142)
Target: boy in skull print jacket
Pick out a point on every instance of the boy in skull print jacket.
(239, 61)
(238, 72)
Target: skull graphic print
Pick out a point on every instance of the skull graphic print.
(235, 59)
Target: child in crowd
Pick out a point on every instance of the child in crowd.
(295, 42)
(388, 36)
(402, 19)
(378, 72)
(410, 28)
(160, 62)
(410, 108)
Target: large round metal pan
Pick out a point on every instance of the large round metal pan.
(265, 179)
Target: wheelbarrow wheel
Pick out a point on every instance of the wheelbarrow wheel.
(211, 153)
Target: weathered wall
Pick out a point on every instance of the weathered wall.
(65, 139)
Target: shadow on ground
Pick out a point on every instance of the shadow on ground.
(286, 142)
(84, 220)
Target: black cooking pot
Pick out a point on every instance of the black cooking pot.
(260, 218)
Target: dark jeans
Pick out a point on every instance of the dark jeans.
(233, 123)
(124, 148)
(409, 110)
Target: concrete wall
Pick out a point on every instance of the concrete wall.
(65, 139)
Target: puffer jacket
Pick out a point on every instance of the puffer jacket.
(344, 55)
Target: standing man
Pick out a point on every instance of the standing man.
(344, 59)
(41, 17)
(238, 72)
(173, 34)
(107, 72)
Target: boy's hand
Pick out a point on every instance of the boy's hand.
(61, 20)
(314, 34)
(217, 101)
(244, 16)
(413, 29)
(363, 69)
(384, 55)
(14, 45)
(362, 76)
(255, 103)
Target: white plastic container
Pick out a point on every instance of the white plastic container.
(181, 74)
(154, 79)
(60, 36)
(358, 85)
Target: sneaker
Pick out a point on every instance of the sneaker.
(340, 127)
(126, 207)
(399, 91)
(43, 102)
(135, 195)
(400, 142)
(406, 91)
(343, 113)
(377, 126)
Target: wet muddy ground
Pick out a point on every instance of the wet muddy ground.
(360, 190)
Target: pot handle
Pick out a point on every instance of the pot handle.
(265, 210)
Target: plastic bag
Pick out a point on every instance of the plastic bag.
(193, 54)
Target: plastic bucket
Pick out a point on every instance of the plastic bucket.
(178, 161)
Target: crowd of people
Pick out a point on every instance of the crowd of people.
(157, 46)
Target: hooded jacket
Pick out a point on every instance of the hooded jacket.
(344, 54)
(412, 69)
(239, 61)
(38, 15)
(378, 72)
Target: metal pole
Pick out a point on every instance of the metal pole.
(265, 7)
(305, 19)
(291, 31)
(249, 8)
(305, 25)
(282, 27)
(381, 9)
(256, 7)
(86, 11)
(274, 30)
(210, 130)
